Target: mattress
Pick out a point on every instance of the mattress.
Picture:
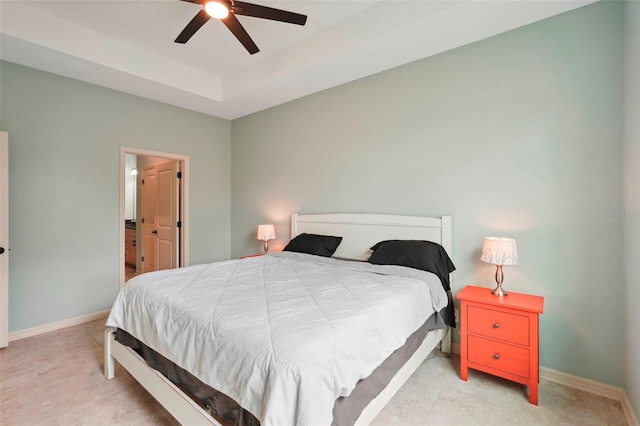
(284, 335)
(346, 410)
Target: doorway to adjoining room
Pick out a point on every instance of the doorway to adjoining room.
(153, 207)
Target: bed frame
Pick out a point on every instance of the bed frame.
(359, 232)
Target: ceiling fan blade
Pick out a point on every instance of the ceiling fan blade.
(195, 1)
(198, 21)
(241, 34)
(264, 12)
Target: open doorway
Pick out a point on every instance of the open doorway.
(154, 202)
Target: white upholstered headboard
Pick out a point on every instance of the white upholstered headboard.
(361, 231)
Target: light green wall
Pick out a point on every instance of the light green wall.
(64, 155)
(631, 152)
(518, 135)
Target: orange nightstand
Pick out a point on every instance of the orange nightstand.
(499, 335)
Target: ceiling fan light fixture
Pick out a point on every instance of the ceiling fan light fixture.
(216, 9)
(226, 11)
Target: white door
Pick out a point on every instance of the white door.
(168, 202)
(4, 239)
(149, 213)
(160, 201)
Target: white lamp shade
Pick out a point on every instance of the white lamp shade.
(266, 232)
(499, 251)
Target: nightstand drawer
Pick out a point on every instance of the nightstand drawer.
(498, 325)
(500, 356)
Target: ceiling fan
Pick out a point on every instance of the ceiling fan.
(225, 10)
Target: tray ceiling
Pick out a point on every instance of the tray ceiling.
(127, 45)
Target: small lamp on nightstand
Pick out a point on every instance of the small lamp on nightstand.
(266, 233)
(499, 251)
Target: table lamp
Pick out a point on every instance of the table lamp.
(499, 251)
(266, 233)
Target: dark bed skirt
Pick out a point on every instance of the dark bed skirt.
(345, 411)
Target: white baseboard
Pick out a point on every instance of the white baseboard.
(628, 410)
(46, 328)
(586, 385)
(591, 386)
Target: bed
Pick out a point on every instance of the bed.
(324, 311)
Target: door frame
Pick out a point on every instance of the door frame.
(184, 201)
(4, 239)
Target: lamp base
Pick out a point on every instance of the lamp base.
(498, 291)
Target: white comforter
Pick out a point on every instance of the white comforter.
(285, 334)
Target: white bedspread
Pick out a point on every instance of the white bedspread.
(284, 334)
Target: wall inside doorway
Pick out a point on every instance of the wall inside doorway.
(130, 189)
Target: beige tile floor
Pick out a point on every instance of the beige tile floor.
(130, 272)
(44, 382)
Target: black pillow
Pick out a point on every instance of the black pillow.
(425, 255)
(321, 245)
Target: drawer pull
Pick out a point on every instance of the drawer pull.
(496, 356)
(496, 325)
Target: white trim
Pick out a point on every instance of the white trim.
(632, 420)
(184, 232)
(4, 239)
(591, 386)
(46, 328)
(585, 385)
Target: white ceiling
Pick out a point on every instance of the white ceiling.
(128, 45)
